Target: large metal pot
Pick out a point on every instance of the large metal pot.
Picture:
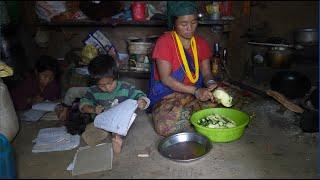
(306, 36)
(279, 54)
(279, 57)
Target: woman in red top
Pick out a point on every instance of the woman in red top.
(181, 80)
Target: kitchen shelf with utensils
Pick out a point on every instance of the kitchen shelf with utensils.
(130, 72)
(114, 23)
(134, 74)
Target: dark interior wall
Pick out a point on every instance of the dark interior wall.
(282, 17)
(285, 16)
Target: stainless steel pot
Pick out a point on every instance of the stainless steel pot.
(278, 55)
(306, 36)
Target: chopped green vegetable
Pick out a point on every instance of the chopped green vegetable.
(216, 121)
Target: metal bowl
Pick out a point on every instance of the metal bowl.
(185, 147)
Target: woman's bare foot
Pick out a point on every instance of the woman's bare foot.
(116, 144)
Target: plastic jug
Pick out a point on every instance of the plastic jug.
(7, 161)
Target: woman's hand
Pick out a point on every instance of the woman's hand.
(142, 104)
(212, 86)
(204, 94)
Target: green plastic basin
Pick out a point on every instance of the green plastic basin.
(221, 134)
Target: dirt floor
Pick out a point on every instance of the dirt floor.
(272, 146)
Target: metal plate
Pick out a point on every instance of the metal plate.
(184, 147)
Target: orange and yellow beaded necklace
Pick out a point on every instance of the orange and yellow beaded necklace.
(184, 59)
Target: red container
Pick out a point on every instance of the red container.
(138, 11)
(226, 8)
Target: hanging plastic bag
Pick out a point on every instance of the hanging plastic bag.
(5, 70)
(88, 53)
(9, 124)
(48, 9)
(100, 41)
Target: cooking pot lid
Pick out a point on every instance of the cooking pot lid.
(306, 30)
(277, 40)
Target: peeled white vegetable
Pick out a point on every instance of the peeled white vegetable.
(230, 125)
(223, 97)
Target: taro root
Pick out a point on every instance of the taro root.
(222, 97)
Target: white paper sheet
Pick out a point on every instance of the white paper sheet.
(82, 70)
(45, 106)
(32, 115)
(119, 118)
(49, 116)
(55, 139)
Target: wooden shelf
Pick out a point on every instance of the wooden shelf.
(115, 23)
(134, 74)
(128, 73)
(112, 23)
(214, 22)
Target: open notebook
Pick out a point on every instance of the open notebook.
(119, 118)
(45, 106)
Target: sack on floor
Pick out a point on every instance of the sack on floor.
(77, 121)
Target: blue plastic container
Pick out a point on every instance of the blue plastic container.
(7, 162)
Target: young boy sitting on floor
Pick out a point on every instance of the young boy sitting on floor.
(109, 90)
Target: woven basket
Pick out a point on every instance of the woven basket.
(140, 47)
